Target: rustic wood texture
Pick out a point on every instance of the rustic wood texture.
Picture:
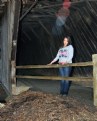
(54, 65)
(8, 27)
(2, 8)
(30, 8)
(4, 1)
(6, 38)
(14, 44)
(56, 78)
(95, 78)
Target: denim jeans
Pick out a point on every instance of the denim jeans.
(64, 84)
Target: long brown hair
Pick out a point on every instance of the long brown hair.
(69, 41)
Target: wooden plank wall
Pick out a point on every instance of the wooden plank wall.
(6, 40)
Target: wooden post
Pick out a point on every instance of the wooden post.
(14, 45)
(94, 57)
(13, 79)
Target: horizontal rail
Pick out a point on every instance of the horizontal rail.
(55, 65)
(56, 78)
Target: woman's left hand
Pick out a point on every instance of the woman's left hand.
(63, 63)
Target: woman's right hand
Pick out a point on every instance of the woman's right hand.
(49, 64)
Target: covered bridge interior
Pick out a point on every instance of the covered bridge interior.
(40, 37)
(42, 27)
(41, 34)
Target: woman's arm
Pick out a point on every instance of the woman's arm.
(55, 59)
(71, 53)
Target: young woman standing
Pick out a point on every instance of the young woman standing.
(64, 55)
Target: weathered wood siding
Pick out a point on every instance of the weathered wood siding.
(7, 34)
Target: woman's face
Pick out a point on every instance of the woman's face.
(65, 41)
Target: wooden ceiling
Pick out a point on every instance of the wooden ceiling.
(2, 6)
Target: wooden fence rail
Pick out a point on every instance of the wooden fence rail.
(55, 65)
(56, 78)
(82, 64)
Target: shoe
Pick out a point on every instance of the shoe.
(63, 94)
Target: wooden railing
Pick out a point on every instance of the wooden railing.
(94, 78)
(55, 77)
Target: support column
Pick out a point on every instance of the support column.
(14, 45)
(94, 57)
(13, 79)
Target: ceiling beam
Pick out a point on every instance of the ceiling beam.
(3, 1)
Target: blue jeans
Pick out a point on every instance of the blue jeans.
(64, 84)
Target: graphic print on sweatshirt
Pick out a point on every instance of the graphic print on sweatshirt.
(63, 53)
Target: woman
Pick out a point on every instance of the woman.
(64, 55)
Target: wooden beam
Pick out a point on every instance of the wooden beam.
(14, 44)
(34, 4)
(95, 78)
(54, 65)
(57, 5)
(16, 28)
(3, 1)
(2, 5)
(1, 11)
(56, 78)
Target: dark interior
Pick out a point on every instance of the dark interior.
(38, 43)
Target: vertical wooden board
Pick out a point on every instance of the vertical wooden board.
(14, 44)
(4, 1)
(7, 31)
(95, 78)
(4, 51)
(15, 30)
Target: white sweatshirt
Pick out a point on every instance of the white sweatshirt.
(65, 54)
